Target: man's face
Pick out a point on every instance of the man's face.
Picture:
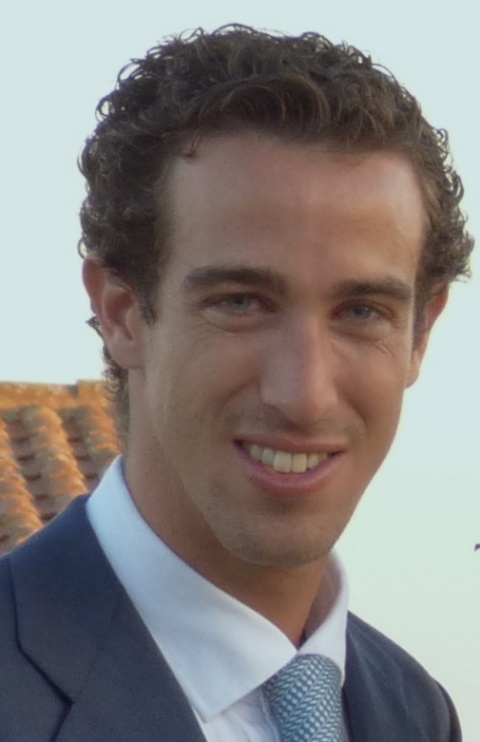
(268, 391)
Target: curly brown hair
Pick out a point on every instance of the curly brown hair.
(301, 89)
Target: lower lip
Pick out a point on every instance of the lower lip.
(266, 478)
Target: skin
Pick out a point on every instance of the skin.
(284, 318)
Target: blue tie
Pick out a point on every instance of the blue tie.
(305, 700)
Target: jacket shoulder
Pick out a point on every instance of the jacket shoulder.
(26, 697)
(33, 577)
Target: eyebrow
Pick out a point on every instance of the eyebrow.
(388, 286)
(266, 279)
(258, 278)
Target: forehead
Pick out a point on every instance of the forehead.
(251, 194)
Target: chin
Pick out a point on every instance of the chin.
(282, 553)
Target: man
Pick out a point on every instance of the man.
(269, 234)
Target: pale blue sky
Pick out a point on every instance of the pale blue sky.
(409, 549)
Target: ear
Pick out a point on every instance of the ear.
(434, 307)
(116, 309)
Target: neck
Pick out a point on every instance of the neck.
(284, 595)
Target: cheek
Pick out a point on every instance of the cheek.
(374, 384)
(218, 365)
(191, 386)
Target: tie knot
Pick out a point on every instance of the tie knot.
(305, 700)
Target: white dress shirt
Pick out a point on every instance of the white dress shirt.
(220, 650)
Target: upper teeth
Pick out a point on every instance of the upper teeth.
(283, 461)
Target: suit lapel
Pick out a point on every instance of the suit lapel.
(367, 705)
(130, 693)
(76, 623)
(374, 697)
(389, 696)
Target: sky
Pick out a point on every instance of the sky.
(409, 550)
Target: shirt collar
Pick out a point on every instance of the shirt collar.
(203, 632)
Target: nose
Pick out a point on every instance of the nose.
(299, 378)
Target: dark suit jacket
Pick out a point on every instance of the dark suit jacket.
(78, 665)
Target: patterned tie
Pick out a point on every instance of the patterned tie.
(305, 700)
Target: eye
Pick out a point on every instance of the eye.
(361, 312)
(367, 321)
(363, 319)
(237, 310)
(238, 304)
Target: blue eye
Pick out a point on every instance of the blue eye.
(239, 301)
(361, 311)
(236, 311)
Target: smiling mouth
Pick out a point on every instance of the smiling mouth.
(285, 462)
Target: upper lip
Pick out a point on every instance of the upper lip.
(292, 444)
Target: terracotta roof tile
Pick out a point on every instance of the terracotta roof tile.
(55, 442)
